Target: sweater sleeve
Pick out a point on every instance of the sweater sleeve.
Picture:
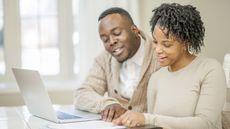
(208, 108)
(90, 96)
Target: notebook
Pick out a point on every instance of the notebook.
(38, 102)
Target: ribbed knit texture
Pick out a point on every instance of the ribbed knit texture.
(103, 78)
(190, 98)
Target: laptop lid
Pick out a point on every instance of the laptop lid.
(37, 99)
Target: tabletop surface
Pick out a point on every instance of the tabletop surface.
(20, 118)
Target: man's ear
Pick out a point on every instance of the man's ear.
(135, 30)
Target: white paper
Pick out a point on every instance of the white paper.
(84, 125)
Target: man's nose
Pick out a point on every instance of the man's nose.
(113, 41)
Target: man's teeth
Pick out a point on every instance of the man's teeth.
(117, 50)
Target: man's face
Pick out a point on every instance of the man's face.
(119, 36)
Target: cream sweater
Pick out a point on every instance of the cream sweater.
(191, 98)
(103, 78)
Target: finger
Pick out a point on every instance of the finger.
(125, 120)
(116, 115)
(110, 115)
(127, 123)
(133, 124)
(104, 115)
(122, 116)
(120, 111)
(117, 121)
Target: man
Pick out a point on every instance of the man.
(122, 71)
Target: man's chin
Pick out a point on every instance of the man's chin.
(120, 60)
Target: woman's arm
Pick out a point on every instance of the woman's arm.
(208, 108)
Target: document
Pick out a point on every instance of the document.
(84, 125)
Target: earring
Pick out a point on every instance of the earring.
(185, 48)
(190, 50)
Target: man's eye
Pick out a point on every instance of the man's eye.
(117, 33)
(104, 39)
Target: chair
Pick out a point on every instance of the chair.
(226, 119)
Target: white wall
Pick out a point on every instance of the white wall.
(90, 43)
(89, 47)
(216, 18)
(146, 10)
(214, 14)
(217, 22)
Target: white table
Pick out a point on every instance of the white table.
(20, 118)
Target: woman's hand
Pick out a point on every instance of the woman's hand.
(130, 119)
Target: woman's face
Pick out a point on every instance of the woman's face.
(170, 52)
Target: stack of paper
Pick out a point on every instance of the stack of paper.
(84, 125)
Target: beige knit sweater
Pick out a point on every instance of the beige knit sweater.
(190, 98)
(103, 78)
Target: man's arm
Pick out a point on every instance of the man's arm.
(90, 95)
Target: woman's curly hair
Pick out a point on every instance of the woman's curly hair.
(182, 22)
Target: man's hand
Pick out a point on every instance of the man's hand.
(130, 119)
(112, 111)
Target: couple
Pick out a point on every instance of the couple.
(187, 92)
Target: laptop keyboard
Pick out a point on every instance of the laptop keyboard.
(64, 116)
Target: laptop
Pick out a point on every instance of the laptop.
(38, 102)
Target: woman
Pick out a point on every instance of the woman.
(189, 91)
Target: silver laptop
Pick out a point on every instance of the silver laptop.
(38, 102)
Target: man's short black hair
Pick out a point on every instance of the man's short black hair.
(182, 21)
(115, 10)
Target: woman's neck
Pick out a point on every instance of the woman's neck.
(183, 62)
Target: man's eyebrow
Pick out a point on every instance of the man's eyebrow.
(114, 28)
(102, 35)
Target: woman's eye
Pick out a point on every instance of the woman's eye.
(167, 45)
(155, 42)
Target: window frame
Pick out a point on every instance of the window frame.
(12, 46)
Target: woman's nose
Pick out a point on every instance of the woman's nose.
(158, 49)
